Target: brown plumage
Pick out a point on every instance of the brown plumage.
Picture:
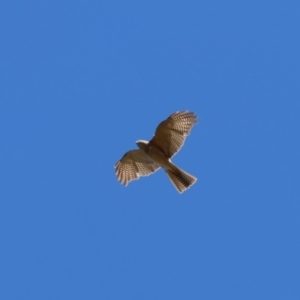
(169, 137)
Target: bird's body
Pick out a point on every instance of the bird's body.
(167, 141)
(154, 153)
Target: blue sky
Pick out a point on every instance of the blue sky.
(81, 81)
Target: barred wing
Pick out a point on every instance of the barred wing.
(171, 133)
(133, 164)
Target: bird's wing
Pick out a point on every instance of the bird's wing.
(170, 134)
(133, 164)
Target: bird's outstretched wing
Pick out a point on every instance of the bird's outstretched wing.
(133, 164)
(170, 134)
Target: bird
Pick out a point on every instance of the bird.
(152, 155)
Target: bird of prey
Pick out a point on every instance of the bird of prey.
(169, 137)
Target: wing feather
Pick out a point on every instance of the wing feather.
(133, 164)
(171, 133)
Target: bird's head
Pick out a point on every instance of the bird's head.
(142, 144)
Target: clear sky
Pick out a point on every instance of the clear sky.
(81, 81)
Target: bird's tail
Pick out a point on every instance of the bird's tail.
(181, 179)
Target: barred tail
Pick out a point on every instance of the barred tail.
(181, 179)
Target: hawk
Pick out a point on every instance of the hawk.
(152, 155)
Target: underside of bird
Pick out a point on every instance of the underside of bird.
(168, 139)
